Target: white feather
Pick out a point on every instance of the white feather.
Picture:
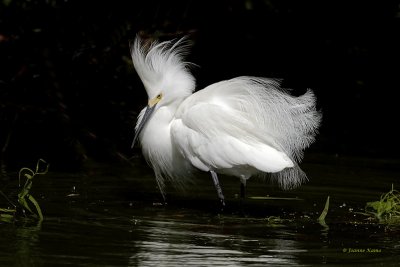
(270, 128)
(160, 66)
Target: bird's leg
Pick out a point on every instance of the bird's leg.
(242, 187)
(243, 180)
(218, 187)
(161, 188)
(163, 195)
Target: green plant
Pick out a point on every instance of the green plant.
(387, 209)
(321, 218)
(25, 199)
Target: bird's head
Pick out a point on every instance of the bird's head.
(161, 68)
(164, 73)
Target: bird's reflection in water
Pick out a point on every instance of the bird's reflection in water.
(175, 243)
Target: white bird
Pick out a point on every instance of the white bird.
(242, 127)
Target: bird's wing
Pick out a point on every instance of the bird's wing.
(215, 137)
(283, 121)
(247, 121)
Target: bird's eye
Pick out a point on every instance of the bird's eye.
(159, 97)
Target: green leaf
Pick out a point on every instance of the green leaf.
(387, 209)
(321, 218)
(23, 202)
(38, 209)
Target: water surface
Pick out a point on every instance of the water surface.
(114, 216)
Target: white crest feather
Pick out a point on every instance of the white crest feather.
(160, 66)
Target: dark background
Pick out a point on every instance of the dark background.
(69, 93)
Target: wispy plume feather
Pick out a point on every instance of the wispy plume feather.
(161, 66)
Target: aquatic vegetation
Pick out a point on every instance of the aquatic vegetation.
(321, 218)
(276, 221)
(25, 199)
(7, 215)
(387, 209)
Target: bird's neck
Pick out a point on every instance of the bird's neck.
(170, 110)
(157, 133)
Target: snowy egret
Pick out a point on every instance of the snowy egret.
(240, 127)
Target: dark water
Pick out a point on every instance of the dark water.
(114, 216)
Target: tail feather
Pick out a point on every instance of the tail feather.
(290, 178)
(290, 121)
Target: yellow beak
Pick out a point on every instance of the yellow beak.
(154, 101)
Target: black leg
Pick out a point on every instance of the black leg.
(242, 194)
(242, 190)
(243, 187)
(218, 187)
